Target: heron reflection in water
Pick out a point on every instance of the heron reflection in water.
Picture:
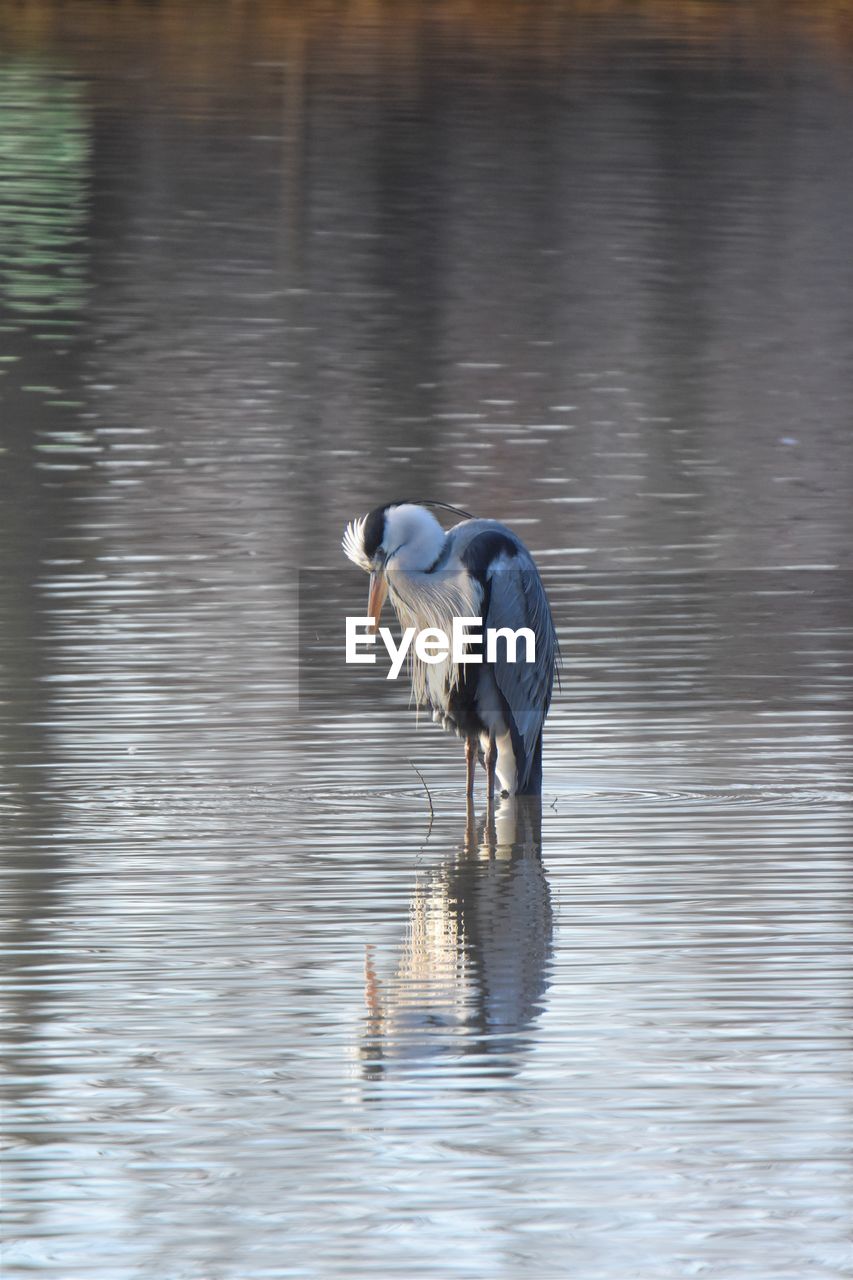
(473, 968)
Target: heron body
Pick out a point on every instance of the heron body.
(478, 569)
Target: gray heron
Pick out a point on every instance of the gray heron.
(477, 569)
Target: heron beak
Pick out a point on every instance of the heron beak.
(376, 598)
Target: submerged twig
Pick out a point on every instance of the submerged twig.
(429, 796)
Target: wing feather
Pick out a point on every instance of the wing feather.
(517, 599)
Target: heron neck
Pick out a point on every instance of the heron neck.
(441, 560)
(423, 554)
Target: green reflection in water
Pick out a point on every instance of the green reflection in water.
(45, 160)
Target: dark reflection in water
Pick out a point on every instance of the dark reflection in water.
(471, 974)
(583, 267)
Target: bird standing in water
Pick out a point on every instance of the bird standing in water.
(478, 569)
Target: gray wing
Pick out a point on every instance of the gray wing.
(517, 599)
(513, 597)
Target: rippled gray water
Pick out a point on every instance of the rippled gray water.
(272, 1009)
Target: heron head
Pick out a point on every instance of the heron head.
(399, 536)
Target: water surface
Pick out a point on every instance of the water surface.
(270, 1008)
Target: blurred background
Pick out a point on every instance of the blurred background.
(584, 267)
(587, 264)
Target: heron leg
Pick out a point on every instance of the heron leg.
(491, 764)
(470, 764)
(470, 826)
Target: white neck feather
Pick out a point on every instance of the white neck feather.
(413, 538)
